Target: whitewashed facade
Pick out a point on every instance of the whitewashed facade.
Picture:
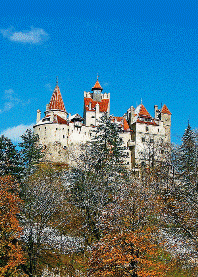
(60, 133)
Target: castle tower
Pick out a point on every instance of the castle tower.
(166, 118)
(56, 105)
(96, 104)
(97, 90)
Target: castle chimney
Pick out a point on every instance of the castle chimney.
(38, 118)
(156, 112)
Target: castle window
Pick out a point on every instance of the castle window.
(85, 133)
(56, 128)
(45, 128)
(147, 128)
(68, 131)
(151, 140)
(63, 136)
(158, 130)
(63, 128)
(39, 128)
(65, 147)
(143, 139)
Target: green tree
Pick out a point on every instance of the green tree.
(10, 163)
(99, 176)
(31, 152)
(187, 155)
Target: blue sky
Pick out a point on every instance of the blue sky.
(140, 49)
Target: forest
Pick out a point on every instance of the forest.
(98, 218)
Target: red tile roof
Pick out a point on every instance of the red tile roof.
(143, 112)
(97, 86)
(124, 123)
(165, 110)
(56, 102)
(103, 105)
(60, 120)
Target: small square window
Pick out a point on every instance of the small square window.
(147, 128)
(143, 139)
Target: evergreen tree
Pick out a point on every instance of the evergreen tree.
(187, 155)
(99, 176)
(31, 152)
(105, 148)
(9, 158)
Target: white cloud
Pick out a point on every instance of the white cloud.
(11, 99)
(16, 132)
(35, 35)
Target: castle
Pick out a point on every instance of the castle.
(143, 135)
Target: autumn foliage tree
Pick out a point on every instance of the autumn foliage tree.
(11, 254)
(129, 245)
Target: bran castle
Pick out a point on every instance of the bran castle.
(142, 134)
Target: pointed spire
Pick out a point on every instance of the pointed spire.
(56, 81)
(97, 85)
(56, 102)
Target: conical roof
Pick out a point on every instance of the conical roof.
(165, 109)
(141, 111)
(97, 86)
(56, 102)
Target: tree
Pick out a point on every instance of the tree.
(42, 213)
(129, 245)
(178, 193)
(11, 254)
(99, 175)
(9, 158)
(31, 152)
(187, 163)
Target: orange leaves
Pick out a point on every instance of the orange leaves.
(11, 255)
(121, 254)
